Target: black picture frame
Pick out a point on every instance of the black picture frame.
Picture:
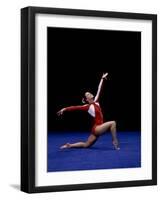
(28, 90)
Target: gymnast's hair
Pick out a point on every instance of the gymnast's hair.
(84, 101)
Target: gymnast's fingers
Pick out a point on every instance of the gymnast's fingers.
(59, 113)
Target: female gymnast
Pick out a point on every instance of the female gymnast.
(99, 127)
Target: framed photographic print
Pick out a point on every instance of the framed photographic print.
(88, 99)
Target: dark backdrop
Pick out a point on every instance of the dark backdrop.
(76, 60)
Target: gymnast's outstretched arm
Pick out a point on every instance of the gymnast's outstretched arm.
(104, 77)
(73, 108)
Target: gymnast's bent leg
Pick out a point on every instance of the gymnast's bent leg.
(100, 129)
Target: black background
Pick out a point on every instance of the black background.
(76, 60)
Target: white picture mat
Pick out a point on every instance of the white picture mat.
(91, 176)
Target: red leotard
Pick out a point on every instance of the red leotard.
(93, 109)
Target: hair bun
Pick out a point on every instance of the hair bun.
(83, 100)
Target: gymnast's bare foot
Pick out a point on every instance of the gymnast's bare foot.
(65, 146)
(116, 145)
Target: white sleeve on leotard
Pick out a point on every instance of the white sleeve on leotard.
(91, 110)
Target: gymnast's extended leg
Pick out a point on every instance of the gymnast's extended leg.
(90, 141)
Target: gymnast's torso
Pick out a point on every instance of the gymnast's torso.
(95, 111)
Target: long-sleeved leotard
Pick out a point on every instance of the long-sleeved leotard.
(93, 109)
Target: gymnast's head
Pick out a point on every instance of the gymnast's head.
(88, 97)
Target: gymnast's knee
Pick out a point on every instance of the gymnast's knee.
(113, 123)
(87, 144)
